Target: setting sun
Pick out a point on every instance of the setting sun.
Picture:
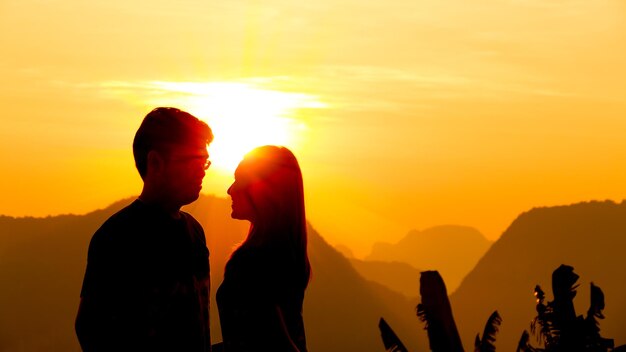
(242, 116)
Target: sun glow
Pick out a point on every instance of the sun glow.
(242, 116)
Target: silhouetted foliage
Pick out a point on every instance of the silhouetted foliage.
(390, 339)
(558, 328)
(436, 312)
(486, 344)
(543, 320)
(524, 345)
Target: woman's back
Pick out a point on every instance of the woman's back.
(257, 283)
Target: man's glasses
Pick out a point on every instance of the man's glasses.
(200, 159)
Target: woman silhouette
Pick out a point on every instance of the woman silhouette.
(260, 299)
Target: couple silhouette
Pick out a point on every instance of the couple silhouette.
(147, 281)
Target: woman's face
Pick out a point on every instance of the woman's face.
(241, 194)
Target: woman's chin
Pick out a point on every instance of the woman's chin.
(239, 216)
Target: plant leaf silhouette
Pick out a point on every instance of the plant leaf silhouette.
(596, 306)
(436, 312)
(559, 327)
(486, 344)
(524, 345)
(390, 339)
(543, 320)
(564, 321)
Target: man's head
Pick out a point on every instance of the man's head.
(170, 154)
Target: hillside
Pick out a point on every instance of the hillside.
(451, 250)
(42, 262)
(399, 277)
(591, 237)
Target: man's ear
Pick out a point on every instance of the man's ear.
(155, 163)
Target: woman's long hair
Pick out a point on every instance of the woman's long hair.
(276, 192)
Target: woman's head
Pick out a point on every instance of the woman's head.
(268, 188)
(268, 191)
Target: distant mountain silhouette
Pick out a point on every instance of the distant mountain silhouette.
(340, 306)
(591, 237)
(451, 250)
(398, 276)
(42, 262)
(345, 250)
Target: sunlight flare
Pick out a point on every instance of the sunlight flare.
(242, 116)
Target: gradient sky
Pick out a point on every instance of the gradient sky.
(404, 114)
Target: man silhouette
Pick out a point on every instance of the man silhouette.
(146, 286)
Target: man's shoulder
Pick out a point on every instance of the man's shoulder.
(190, 219)
(125, 220)
(128, 215)
(193, 226)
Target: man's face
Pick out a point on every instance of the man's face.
(185, 167)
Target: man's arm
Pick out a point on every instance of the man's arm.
(94, 320)
(89, 327)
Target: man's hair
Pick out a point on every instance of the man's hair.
(164, 128)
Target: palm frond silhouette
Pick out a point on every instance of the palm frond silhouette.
(390, 339)
(436, 312)
(557, 326)
(486, 343)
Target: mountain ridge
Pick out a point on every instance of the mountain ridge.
(432, 248)
(590, 236)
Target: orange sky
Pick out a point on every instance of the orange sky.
(404, 114)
